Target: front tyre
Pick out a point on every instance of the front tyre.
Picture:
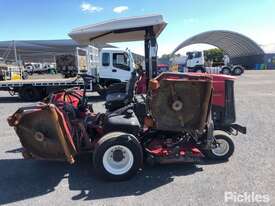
(117, 156)
(224, 147)
(200, 70)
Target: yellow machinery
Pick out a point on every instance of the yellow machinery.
(174, 68)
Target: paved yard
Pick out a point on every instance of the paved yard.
(251, 168)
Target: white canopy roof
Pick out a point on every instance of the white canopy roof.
(118, 30)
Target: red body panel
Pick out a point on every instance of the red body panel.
(141, 85)
(73, 97)
(218, 98)
(159, 148)
(218, 86)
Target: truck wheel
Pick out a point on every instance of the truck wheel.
(225, 147)
(226, 70)
(200, 70)
(25, 75)
(237, 70)
(117, 156)
(29, 94)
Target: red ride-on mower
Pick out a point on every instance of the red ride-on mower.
(172, 123)
(176, 127)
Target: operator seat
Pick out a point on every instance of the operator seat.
(123, 95)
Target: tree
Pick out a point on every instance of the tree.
(215, 55)
(165, 58)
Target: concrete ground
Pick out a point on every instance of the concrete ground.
(251, 168)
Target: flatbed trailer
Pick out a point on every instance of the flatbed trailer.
(37, 89)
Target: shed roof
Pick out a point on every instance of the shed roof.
(32, 50)
(233, 44)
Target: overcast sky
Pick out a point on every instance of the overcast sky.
(53, 19)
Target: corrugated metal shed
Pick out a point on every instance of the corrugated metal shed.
(232, 43)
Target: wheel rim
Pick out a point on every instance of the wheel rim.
(222, 148)
(238, 71)
(226, 71)
(118, 160)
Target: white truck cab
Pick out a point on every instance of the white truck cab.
(108, 65)
(195, 59)
(115, 65)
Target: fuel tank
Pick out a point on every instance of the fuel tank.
(124, 122)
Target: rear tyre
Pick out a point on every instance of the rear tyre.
(117, 156)
(226, 70)
(238, 70)
(225, 147)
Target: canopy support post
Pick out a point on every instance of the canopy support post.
(150, 52)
